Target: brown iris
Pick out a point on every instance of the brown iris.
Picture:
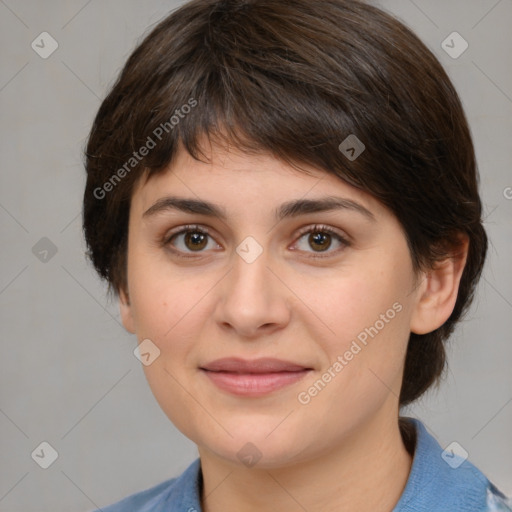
(319, 240)
(196, 239)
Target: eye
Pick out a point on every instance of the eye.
(190, 239)
(320, 239)
(196, 239)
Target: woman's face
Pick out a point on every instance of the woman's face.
(281, 320)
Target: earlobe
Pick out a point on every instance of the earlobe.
(438, 291)
(126, 311)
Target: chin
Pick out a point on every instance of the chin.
(259, 456)
(255, 447)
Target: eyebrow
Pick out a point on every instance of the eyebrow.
(289, 209)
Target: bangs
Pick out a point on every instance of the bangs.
(254, 90)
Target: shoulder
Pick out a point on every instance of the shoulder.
(442, 480)
(497, 501)
(144, 500)
(181, 493)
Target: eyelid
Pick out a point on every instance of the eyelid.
(343, 238)
(183, 229)
(313, 228)
(169, 235)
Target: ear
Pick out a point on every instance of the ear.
(437, 293)
(126, 311)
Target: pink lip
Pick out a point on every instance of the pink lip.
(253, 378)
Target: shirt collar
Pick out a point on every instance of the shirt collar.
(440, 479)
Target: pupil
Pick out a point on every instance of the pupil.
(320, 239)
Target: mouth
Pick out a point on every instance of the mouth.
(253, 378)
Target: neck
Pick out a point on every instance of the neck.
(368, 471)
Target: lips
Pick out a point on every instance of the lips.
(255, 377)
(263, 365)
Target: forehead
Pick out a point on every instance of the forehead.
(241, 181)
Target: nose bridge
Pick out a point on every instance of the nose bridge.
(250, 278)
(252, 297)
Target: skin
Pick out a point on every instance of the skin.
(340, 451)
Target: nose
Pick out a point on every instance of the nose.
(253, 300)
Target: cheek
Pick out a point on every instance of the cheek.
(166, 321)
(166, 310)
(367, 312)
(161, 297)
(352, 301)
(165, 317)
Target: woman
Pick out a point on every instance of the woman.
(284, 197)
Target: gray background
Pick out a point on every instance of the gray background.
(68, 373)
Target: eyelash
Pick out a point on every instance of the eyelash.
(317, 228)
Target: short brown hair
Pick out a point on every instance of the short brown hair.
(295, 79)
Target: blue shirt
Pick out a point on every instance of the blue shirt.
(438, 482)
